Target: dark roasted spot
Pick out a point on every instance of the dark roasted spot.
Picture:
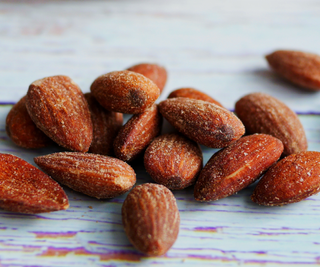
(136, 98)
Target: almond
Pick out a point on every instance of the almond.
(26, 189)
(151, 220)
(292, 179)
(125, 91)
(58, 108)
(262, 113)
(298, 67)
(154, 72)
(94, 175)
(201, 121)
(22, 130)
(106, 125)
(137, 134)
(173, 161)
(194, 94)
(237, 166)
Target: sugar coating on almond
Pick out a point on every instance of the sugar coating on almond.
(106, 125)
(151, 218)
(137, 134)
(262, 113)
(201, 121)
(125, 91)
(154, 72)
(237, 166)
(194, 94)
(298, 67)
(22, 130)
(58, 107)
(173, 160)
(26, 189)
(291, 180)
(94, 175)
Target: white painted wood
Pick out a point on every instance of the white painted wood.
(215, 46)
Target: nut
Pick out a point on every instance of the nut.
(261, 113)
(194, 94)
(26, 189)
(237, 166)
(106, 125)
(94, 175)
(125, 91)
(292, 179)
(151, 218)
(58, 108)
(22, 130)
(298, 67)
(173, 161)
(201, 121)
(137, 134)
(154, 72)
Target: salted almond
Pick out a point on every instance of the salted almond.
(237, 166)
(58, 108)
(262, 113)
(137, 134)
(298, 67)
(201, 121)
(26, 189)
(194, 94)
(125, 92)
(292, 179)
(94, 175)
(151, 220)
(154, 72)
(22, 130)
(106, 125)
(173, 161)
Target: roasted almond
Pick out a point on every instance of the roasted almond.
(137, 134)
(94, 175)
(26, 189)
(125, 91)
(262, 113)
(58, 108)
(298, 67)
(292, 179)
(201, 121)
(154, 72)
(194, 94)
(237, 166)
(173, 161)
(106, 125)
(151, 220)
(22, 130)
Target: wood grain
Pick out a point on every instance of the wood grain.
(217, 47)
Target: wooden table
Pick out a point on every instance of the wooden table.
(215, 46)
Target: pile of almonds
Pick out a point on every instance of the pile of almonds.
(55, 110)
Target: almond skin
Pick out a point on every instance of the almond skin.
(58, 108)
(237, 166)
(106, 125)
(22, 130)
(26, 189)
(292, 179)
(94, 175)
(298, 67)
(201, 121)
(262, 113)
(154, 72)
(173, 161)
(137, 134)
(151, 219)
(125, 92)
(194, 94)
